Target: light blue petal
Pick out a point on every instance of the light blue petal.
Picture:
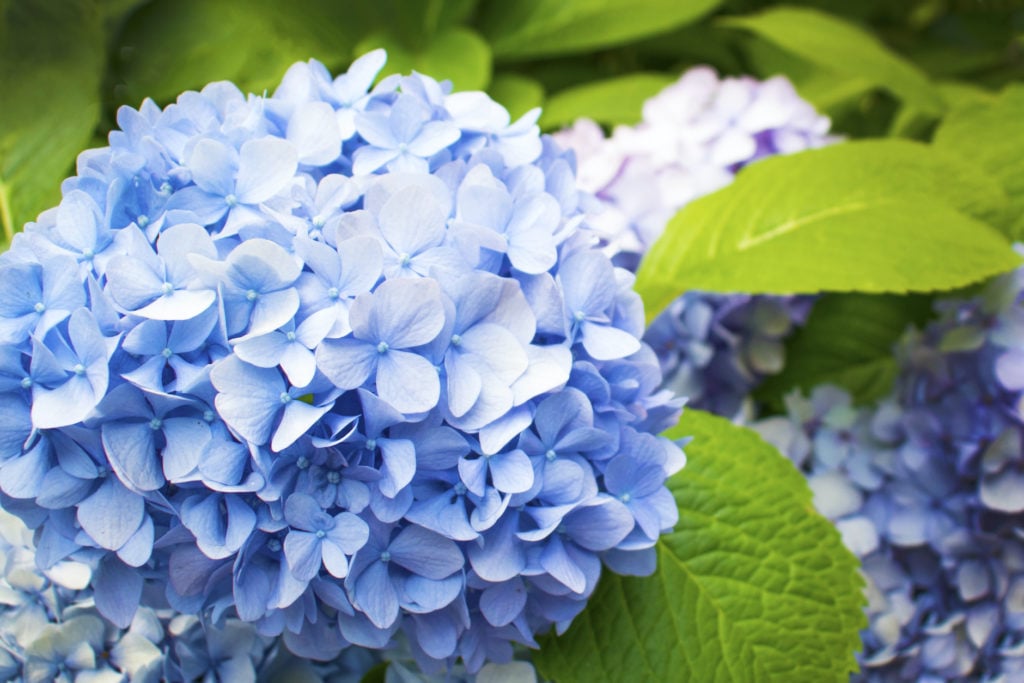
(313, 132)
(599, 527)
(250, 397)
(425, 553)
(502, 603)
(408, 381)
(463, 383)
(399, 466)
(604, 342)
(117, 590)
(187, 439)
(178, 305)
(263, 351)
(139, 548)
(412, 220)
(375, 595)
(214, 166)
(433, 137)
(222, 461)
(131, 449)
(349, 534)
(298, 418)
(303, 552)
(348, 363)
(132, 282)
(265, 166)
(23, 476)
(556, 562)
(511, 472)
(112, 514)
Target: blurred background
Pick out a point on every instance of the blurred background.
(876, 67)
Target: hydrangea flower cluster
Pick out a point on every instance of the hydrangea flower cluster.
(50, 630)
(338, 363)
(927, 487)
(694, 137)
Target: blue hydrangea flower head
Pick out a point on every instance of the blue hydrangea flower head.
(926, 488)
(333, 367)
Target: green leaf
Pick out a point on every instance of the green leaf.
(51, 63)
(168, 47)
(823, 87)
(848, 340)
(845, 48)
(611, 101)
(992, 136)
(753, 584)
(526, 29)
(412, 22)
(871, 216)
(457, 54)
(517, 93)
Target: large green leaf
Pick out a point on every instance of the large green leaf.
(845, 48)
(458, 54)
(753, 584)
(51, 64)
(992, 136)
(848, 340)
(526, 29)
(169, 46)
(612, 101)
(871, 216)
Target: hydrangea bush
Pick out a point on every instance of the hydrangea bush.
(927, 487)
(340, 365)
(695, 135)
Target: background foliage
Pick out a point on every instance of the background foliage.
(937, 72)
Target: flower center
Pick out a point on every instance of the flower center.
(252, 295)
(208, 415)
(371, 444)
(26, 383)
(285, 397)
(79, 369)
(383, 347)
(334, 476)
(333, 293)
(456, 340)
(142, 221)
(319, 221)
(625, 497)
(302, 463)
(167, 353)
(274, 545)
(551, 455)
(404, 259)
(460, 489)
(155, 424)
(39, 307)
(385, 556)
(290, 336)
(167, 288)
(579, 316)
(320, 533)
(231, 200)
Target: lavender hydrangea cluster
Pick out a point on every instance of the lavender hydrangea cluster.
(694, 137)
(927, 487)
(338, 364)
